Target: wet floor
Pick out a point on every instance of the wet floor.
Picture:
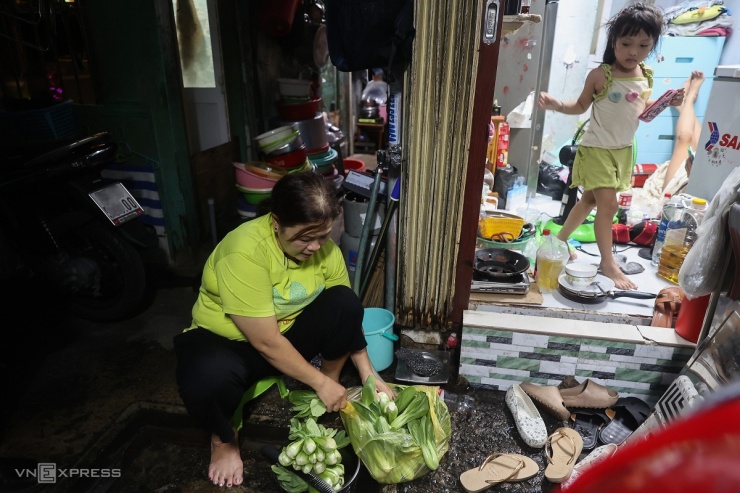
(87, 396)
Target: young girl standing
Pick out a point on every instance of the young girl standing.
(619, 90)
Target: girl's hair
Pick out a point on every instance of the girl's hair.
(304, 198)
(629, 22)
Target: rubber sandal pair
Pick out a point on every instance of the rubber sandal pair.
(498, 468)
(562, 450)
(666, 307)
(589, 423)
(629, 414)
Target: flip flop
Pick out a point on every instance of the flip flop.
(562, 449)
(498, 468)
(588, 422)
(630, 413)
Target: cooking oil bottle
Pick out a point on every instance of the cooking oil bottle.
(551, 257)
(679, 238)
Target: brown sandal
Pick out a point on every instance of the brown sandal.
(666, 307)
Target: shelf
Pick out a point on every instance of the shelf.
(512, 23)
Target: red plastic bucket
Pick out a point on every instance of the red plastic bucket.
(353, 164)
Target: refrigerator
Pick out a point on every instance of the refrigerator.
(719, 145)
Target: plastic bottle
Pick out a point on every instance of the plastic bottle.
(679, 238)
(551, 257)
(463, 404)
(525, 6)
(672, 206)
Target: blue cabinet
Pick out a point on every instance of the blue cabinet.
(672, 63)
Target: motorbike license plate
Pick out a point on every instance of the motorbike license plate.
(117, 203)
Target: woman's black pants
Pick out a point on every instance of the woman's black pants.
(213, 372)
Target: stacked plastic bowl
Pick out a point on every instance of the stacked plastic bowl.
(325, 163)
(283, 148)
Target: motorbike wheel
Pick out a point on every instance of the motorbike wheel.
(118, 285)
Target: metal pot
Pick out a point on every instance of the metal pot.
(313, 132)
(499, 263)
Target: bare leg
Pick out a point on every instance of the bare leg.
(606, 207)
(226, 468)
(688, 127)
(333, 368)
(577, 215)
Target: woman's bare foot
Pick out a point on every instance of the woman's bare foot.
(611, 270)
(226, 468)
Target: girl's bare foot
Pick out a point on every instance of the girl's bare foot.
(572, 255)
(226, 468)
(692, 86)
(611, 270)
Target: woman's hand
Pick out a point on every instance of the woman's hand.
(332, 394)
(381, 386)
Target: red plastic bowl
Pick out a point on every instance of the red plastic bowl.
(299, 111)
(289, 160)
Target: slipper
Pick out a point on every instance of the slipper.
(600, 453)
(588, 422)
(498, 468)
(589, 394)
(630, 413)
(547, 396)
(565, 446)
(528, 420)
(666, 307)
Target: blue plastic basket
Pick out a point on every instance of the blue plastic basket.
(50, 123)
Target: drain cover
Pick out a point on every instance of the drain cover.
(427, 367)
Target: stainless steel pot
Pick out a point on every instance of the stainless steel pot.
(313, 132)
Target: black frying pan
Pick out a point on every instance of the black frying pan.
(588, 298)
(498, 263)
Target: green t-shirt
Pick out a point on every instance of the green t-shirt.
(249, 275)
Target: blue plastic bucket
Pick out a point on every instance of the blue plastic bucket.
(377, 323)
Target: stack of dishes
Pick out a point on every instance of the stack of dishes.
(283, 148)
(325, 163)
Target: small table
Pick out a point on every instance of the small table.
(378, 128)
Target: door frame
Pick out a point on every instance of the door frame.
(482, 104)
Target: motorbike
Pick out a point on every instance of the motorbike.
(66, 229)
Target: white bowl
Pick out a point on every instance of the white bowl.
(580, 274)
(275, 135)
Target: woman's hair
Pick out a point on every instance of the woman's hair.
(629, 22)
(304, 198)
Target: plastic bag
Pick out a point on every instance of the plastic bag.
(521, 116)
(376, 90)
(551, 180)
(393, 457)
(701, 271)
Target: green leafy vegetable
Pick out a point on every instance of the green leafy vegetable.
(306, 404)
(289, 481)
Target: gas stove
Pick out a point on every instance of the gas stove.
(518, 284)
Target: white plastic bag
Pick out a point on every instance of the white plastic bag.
(702, 269)
(521, 116)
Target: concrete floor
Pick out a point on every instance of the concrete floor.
(85, 395)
